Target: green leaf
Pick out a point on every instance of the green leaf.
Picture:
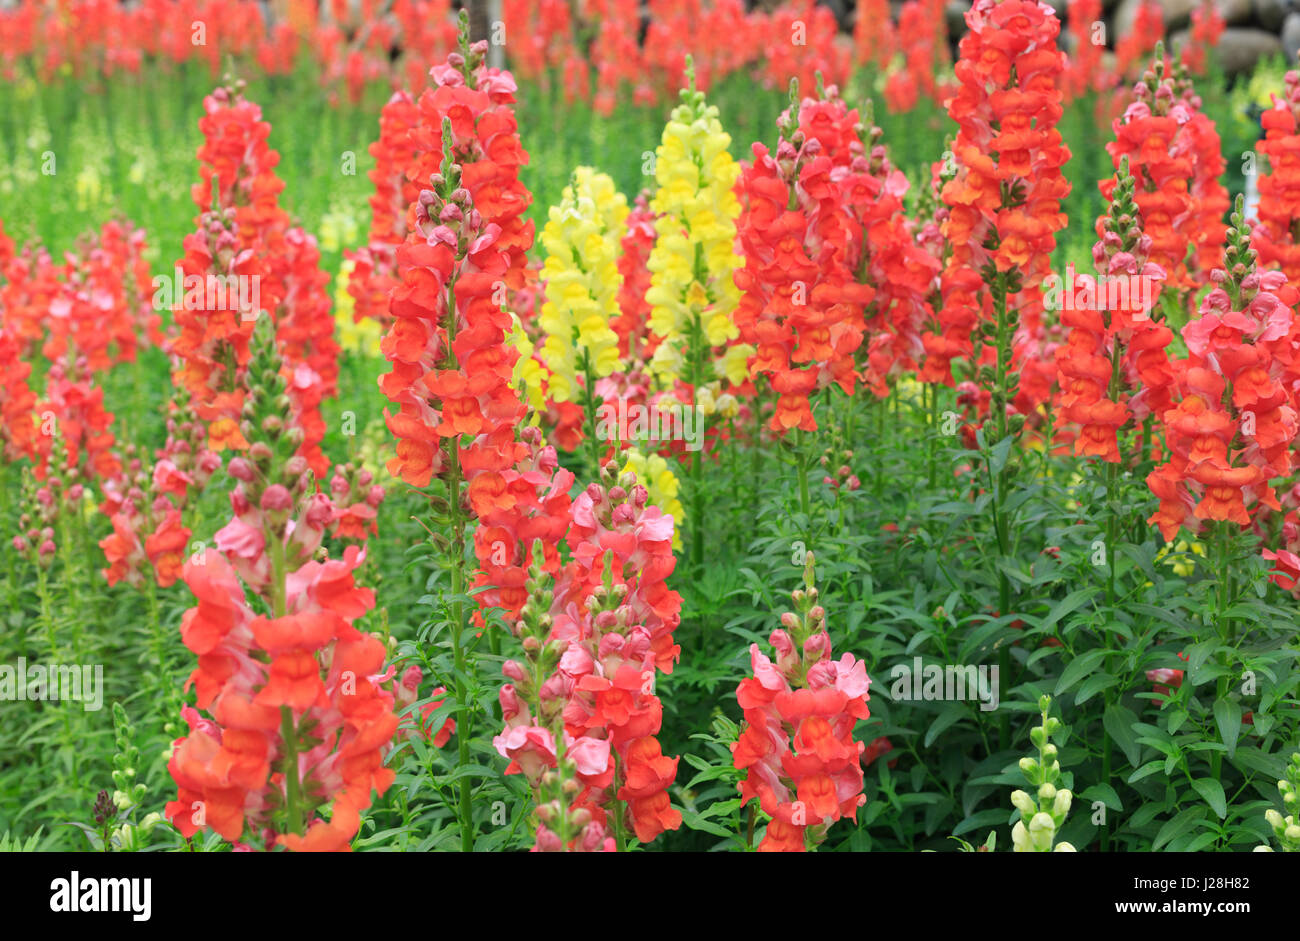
(1094, 685)
(1228, 715)
(1178, 825)
(1148, 769)
(1077, 669)
(1119, 724)
(984, 818)
(1070, 603)
(1212, 791)
(1001, 451)
(696, 822)
(1104, 793)
(952, 713)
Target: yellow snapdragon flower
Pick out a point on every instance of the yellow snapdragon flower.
(529, 375)
(654, 473)
(338, 228)
(1181, 563)
(694, 257)
(361, 337)
(582, 238)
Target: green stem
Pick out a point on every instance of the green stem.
(292, 786)
(591, 408)
(697, 456)
(464, 812)
(801, 468)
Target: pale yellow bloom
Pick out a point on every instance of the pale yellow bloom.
(1180, 562)
(529, 374)
(694, 257)
(337, 229)
(582, 240)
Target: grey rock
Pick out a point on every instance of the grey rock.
(1240, 48)
(1270, 14)
(1235, 12)
(1291, 38)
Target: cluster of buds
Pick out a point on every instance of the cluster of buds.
(145, 502)
(842, 476)
(275, 483)
(563, 826)
(1041, 817)
(127, 756)
(446, 212)
(186, 446)
(1286, 829)
(44, 505)
(115, 827)
(356, 502)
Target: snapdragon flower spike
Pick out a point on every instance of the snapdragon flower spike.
(618, 634)
(356, 498)
(582, 284)
(1207, 29)
(452, 367)
(237, 172)
(1004, 210)
(1084, 70)
(802, 764)
(561, 769)
(298, 716)
(1113, 368)
(614, 529)
(1279, 183)
(594, 645)
(874, 38)
(43, 504)
(18, 421)
(1043, 813)
(146, 502)
(635, 342)
(693, 293)
(1209, 196)
(210, 342)
(800, 306)
(72, 410)
(1173, 152)
(484, 141)
(531, 509)
(899, 274)
(1230, 433)
(374, 273)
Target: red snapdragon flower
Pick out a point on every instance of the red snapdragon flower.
(803, 765)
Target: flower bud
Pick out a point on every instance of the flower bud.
(1024, 803)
